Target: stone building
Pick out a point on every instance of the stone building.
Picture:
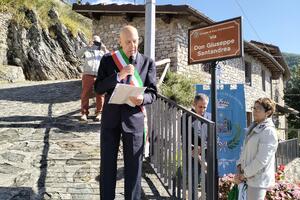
(262, 70)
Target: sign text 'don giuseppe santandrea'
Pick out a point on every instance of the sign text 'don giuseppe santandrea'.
(220, 41)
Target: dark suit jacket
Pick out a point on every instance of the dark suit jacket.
(130, 118)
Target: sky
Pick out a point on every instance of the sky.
(274, 22)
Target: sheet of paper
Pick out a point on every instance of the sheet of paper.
(122, 92)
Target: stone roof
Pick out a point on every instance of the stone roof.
(276, 53)
(166, 12)
(266, 58)
(285, 110)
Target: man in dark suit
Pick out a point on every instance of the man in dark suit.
(124, 120)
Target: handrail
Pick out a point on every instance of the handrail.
(170, 129)
(173, 103)
(287, 151)
(162, 62)
(289, 140)
(167, 62)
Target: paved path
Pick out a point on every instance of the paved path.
(45, 153)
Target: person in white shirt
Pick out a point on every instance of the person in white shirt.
(256, 165)
(92, 55)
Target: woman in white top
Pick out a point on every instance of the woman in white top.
(256, 165)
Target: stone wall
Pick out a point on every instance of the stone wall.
(4, 22)
(255, 91)
(7, 73)
(36, 52)
(170, 40)
(195, 71)
(278, 94)
(109, 30)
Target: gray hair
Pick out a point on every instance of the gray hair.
(201, 97)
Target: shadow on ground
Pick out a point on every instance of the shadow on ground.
(49, 93)
(44, 93)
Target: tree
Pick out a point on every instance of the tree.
(292, 92)
(179, 88)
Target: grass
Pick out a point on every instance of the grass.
(72, 20)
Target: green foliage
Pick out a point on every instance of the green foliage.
(236, 138)
(179, 88)
(72, 20)
(292, 91)
(8, 6)
(75, 21)
(292, 60)
(292, 134)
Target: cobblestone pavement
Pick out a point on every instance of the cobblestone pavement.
(45, 153)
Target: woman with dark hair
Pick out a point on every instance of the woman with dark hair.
(256, 165)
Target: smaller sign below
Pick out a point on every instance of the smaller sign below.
(220, 41)
(231, 124)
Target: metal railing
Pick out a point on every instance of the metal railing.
(287, 151)
(170, 129)
(162, 67)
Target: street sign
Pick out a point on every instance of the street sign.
(216, 42)
(220, 41)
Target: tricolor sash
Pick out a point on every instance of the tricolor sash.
(121, 60)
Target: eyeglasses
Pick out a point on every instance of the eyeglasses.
(257, 108)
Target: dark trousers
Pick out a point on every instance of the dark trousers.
(133, 145)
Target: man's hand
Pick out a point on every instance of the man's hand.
(128, 70)
(137, 100)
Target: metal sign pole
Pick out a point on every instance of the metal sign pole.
(212, 171)
(150, 29)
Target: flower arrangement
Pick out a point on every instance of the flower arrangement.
(279, 175)
(282, 190)
(225, 184)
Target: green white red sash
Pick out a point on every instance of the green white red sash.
(121, 60)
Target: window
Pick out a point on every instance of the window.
(276, 121)
(249, 118)
(248, 72)
(263, 79)
(276, 98)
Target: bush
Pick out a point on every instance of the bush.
(292, 134)
(179, 88)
